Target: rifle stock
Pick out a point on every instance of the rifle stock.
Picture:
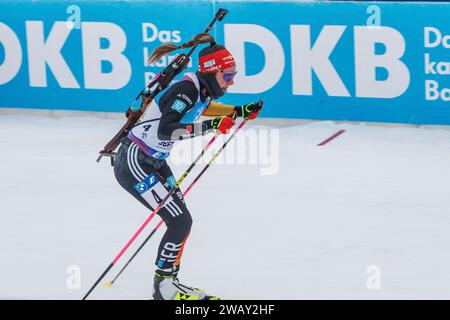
(133, 116)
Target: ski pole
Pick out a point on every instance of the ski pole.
(215, 156)
(160, 205)
(109, 284)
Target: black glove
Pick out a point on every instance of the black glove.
(249, 111)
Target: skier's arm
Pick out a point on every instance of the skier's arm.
(249, 110)
(216, 109)
(174, 104)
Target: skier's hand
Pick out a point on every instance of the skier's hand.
(222, 124)
(249, 111)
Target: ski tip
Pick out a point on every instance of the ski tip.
(107, 284)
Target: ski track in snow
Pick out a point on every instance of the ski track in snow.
(374, 196)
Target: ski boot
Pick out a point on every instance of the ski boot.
(167, 287)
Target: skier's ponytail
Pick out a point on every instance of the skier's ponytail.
(164, 49)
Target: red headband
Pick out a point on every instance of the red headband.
(216, 61)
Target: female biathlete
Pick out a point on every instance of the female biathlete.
(141, 167)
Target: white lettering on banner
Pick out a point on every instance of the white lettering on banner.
(438, 38)
(433, 92)
(93, 55)
(308, 56)
(236, 35)
(145, 36)
(306, 59)
(434, 67)
(161, 63)
(47, 52)
(151, 33)
(366, 63)
(163, 35)
(433, 40)
(12, 54)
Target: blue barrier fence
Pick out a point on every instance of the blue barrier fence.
(356, 61)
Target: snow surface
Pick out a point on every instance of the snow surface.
(374, 196)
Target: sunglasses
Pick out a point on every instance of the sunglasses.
(228, 76)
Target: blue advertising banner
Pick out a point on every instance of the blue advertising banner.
(355, 61)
